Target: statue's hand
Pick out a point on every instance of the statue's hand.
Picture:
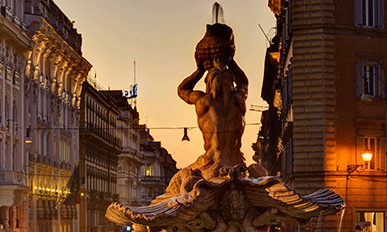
(200, 65)
(231, 64)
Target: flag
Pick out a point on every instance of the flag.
(74, 185)
(133, 93)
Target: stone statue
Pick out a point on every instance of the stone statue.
(218, 192)
(221, 109)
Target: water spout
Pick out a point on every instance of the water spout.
(217, 13)
(341, 220)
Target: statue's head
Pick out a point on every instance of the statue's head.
(217, 44)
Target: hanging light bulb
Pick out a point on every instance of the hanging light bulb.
(185, 137)
(28, 138)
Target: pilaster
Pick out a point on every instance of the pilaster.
(313, 92)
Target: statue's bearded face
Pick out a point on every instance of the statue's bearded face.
(219, 83)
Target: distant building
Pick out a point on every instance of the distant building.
(100, 147)
(54, 75)
(159, 167)
(327, 58)
(131, 159)
(14, 45)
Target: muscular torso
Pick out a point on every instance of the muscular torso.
(222, 125)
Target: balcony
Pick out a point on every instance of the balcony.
(7, 13)
(9, 177)
(151, 179)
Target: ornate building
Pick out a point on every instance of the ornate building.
(54, 75)
(14, 45)
(100, 148)
(327, 97)
(158, 169)
(131, 159)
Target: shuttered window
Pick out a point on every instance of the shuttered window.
(369, 13)
(377, 146)
(369, 79)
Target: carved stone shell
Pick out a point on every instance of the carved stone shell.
(217, 43)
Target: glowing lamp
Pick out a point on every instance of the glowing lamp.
(367, 156)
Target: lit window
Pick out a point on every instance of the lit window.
(148, 170)
(370, 221)
(370, 145)
(374, 145)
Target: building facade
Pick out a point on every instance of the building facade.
(54, 75)
(158, 169)
(14, 45)
(100, 148)
(332, 57)
(131, 159)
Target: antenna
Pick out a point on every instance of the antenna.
(265, 34)
(134, 70)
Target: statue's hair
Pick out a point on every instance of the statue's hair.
(215, 79)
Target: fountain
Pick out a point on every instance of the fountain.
(218, 192)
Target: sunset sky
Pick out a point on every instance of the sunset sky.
(161, 35)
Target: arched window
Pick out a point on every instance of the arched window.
(7, 116)
(7, 156)
(14, 116)
(1, 112)
(14, 158)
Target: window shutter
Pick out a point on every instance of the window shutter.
(378, 89)
(382, 82)
(359, 149)
(358, 12)
(359, 81)
(380, 13)
(382, 153)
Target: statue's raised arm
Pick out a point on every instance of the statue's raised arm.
(241, 80)
(185, 89)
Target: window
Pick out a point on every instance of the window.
(377, 146)
(368, 80)
(369, 221)
(14, 158)
(369, 13)
(148, 170)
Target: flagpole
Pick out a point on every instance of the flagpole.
(134, 84)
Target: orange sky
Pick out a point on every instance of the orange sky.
(161, 36)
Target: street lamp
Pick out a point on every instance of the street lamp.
(367, 156)
(185, 137)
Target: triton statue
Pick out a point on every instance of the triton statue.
(218, 192)
(221, 109)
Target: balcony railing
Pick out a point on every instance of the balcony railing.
(103, 132)
(9, 177)
(7, 13)
(151, 179)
